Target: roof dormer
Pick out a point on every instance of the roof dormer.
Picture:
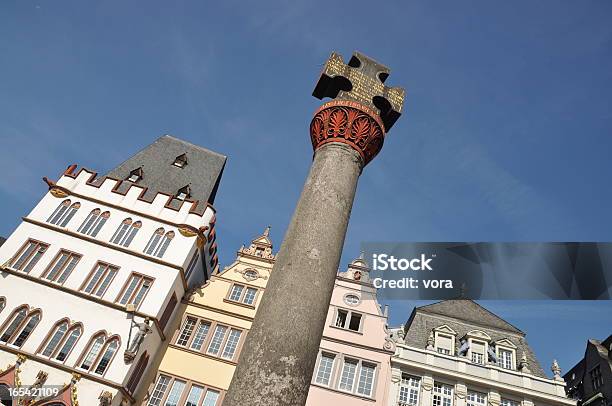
(180, 161)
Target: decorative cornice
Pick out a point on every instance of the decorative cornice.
(350, 123)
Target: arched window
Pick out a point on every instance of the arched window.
(158, 244)
(64, 213)
(19, 326)
(125, 232)
(99, 354)
(94, 222)
(62, 340)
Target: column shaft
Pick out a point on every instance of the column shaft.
(277, 360)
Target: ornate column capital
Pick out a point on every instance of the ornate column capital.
(350, 123)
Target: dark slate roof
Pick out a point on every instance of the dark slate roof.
(2, 240)
(470, 312)
(202, 172)
(463, 315)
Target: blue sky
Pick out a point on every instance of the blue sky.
(505, 134)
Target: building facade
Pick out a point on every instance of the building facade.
(353, 365)
(197, 364)
(590, 380)
(91, 278)
(457, 353)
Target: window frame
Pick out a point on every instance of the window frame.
(357, 376)
(406, 382)
(98, 357)
(101, 217)
(64, 218)
(100, 282)
(127, 237)
(55, 260)
(213, 324)
(442, 394)
(134, 293)
(245, 289)
(347, 321)
(446, 332)
(332, 372)
(23, 249)
(184, 395)
(62, 341)
(19, 328)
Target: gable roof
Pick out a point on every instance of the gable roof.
(201, 173)
(470, 311)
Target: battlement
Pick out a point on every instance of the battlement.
(130, 196)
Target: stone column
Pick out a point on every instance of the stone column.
(276, 364)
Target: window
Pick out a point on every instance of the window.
(366, 379)
(504, 358)
(347, 378)
(62, 266)
(444, 344)
(409, 390)
(195, 394)
(183, 193)
(192, 264)
(175, 393)
(217, 340)
(159, 391)
(143, 361)
(158, 244)
(351, 300)
(99, 279)
(94, 222)
(476, 398)
(125, 232)
(509, 402)
(135, 290)
(211, 398)
(61, 341)
(64, 213)
(29, 255)
(596, 377)
(242, 294)
(231, 344)
(186, 331)
(348, 320)
(2, 303)
(442, 395)
(326, 365)
(99, 354)
(135, 175)
(19, 326)
(200, 335)
(478, 352)
(250, 275)
(180, 161)
(169, 391)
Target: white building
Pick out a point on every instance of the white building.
(91, 278)
(457, 353)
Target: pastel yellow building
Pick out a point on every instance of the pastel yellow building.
(196, 367)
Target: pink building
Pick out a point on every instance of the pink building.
(353, 365)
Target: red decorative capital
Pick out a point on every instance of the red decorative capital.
(350, 123)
